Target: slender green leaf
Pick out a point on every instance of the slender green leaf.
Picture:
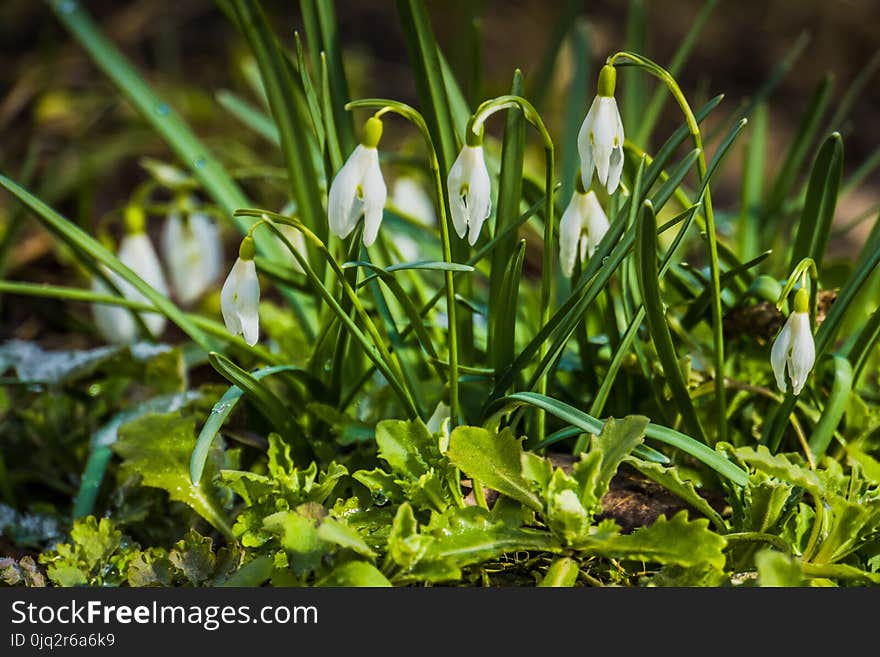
(646, 264)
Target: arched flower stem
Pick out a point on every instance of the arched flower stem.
(475, 126)
(626, 58)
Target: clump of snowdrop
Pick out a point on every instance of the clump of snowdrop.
(116, 324)
(581, 228)
(794, 351)
(193, 253)
(470, 189)
(600, 140)
(358, 190)
(240, 295)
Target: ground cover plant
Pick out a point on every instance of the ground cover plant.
(545, 357)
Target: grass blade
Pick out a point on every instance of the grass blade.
(834, 409)
(646, 266)
(663, 434)
(82, 242)
(814, 227)
(219, 413)
(267, 403)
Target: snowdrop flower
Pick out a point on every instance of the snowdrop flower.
(600, 140)
(136, 251)
(193, 253)
(470, 191)
(794, 350)
(359, 189)
(581, 228)
(410, 197)
(240, 296)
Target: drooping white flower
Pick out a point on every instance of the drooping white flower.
(794, 351)
(359, 188)
(240, 296)
(115, 323)
(410, 197)
(470, 190)
(439, 417)
(581, 228)
(600, 140)
(193, 253)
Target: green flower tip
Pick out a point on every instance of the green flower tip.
(474, 138)
(135, 219)
(247, 250)
(802, 301)
(607, 80)
(372, 132)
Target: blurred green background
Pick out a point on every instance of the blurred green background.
(65, 129)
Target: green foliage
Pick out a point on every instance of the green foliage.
(398, 422)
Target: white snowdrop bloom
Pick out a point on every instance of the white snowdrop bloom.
(193, 253)
(115, 323)
(240, 296)
(439, 417)
(581, 228)
(410, 197)
(470, 190)
(794, 351)
(600, 140)
(359, 188)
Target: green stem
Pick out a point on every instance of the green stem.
(717, 312)
(413, 116)
(475, 125)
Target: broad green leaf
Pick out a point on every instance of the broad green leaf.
(673, 481)
(676, 541)
(407, 446)
(852, 523)
(157, 447)
(355, 573)
(338, 532)
(779, 466)
(589, 424)
(97, 540)
(494, 459)
(566, 514)
(194, 556)
(562, 572)
(777, 569)
(298, 534)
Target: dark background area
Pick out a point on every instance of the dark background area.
(86, 142)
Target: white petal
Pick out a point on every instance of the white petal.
(595, 220)
(803, 351)
(569, 235)
(454, 183)
(114, 323)
(585, 144)
(615, 169)
(137, 253)
(438, 417)
(479, 197)
(343, 205)
(409, 197)
(193, 254)
(779, 355)
(240, 300)
(375, 193)
(207, 233)
(605, 135)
